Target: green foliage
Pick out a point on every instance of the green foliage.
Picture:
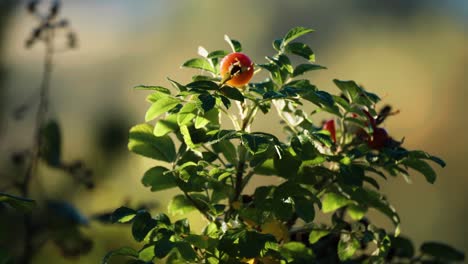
(20, 203)
(322, 171)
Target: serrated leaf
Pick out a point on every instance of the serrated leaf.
(217, 54)
(232, 93)
(17, 202)
(143, 142)
(152, 88)
(124, 251)
(177, 85)
(303, 68)
(123, 215)
(158, 178)
(418, 154)
(160, 107)
(199, 63)
(356, 94)
(422, 167)
(203, 85)
(234, 44)
(300, 49)
(295, 33)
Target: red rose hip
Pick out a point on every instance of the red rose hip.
(236, 69)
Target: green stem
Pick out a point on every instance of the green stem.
(280, 113)
(24, 186)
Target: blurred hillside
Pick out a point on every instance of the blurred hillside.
(414, 53)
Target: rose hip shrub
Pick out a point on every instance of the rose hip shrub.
(329, 167)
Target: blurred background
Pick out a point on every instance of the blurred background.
(413, 53)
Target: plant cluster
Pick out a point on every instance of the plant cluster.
(42, 219)
(330, 168)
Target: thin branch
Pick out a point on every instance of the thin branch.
(28, 248)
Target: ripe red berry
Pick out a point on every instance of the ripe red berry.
(330, 127)
(236, 69)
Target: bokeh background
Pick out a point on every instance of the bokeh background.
(414, 53)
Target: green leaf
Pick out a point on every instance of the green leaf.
(184, 130)
(160, 107)
(162, 247)
(333, 201)
(143, 142)
(203, 85)
(158, 178)
(347, 246)
(422, 167)
(51, 144)
(256, 144)
(418, 154)
(304, 209)
(187, 114)
(300, 49)
(123, 215)
(227, 149)
(199, 63)
(297, 251)
(303, 68)
(295, 33)
(177, 85)
(356, 212)
(17, 202)
(234, 44)
(232, 93)
(186, 251)
(211, 117)
(182, 226)
(124, 251)
(180, 205)
(146, 254)
(217, 54)
(277, 44)
(201, 241)
(207, 101)
(442, 251)
(317, 234)
(142, 225)
(166, 125)
(153, 88)
(356, 94)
